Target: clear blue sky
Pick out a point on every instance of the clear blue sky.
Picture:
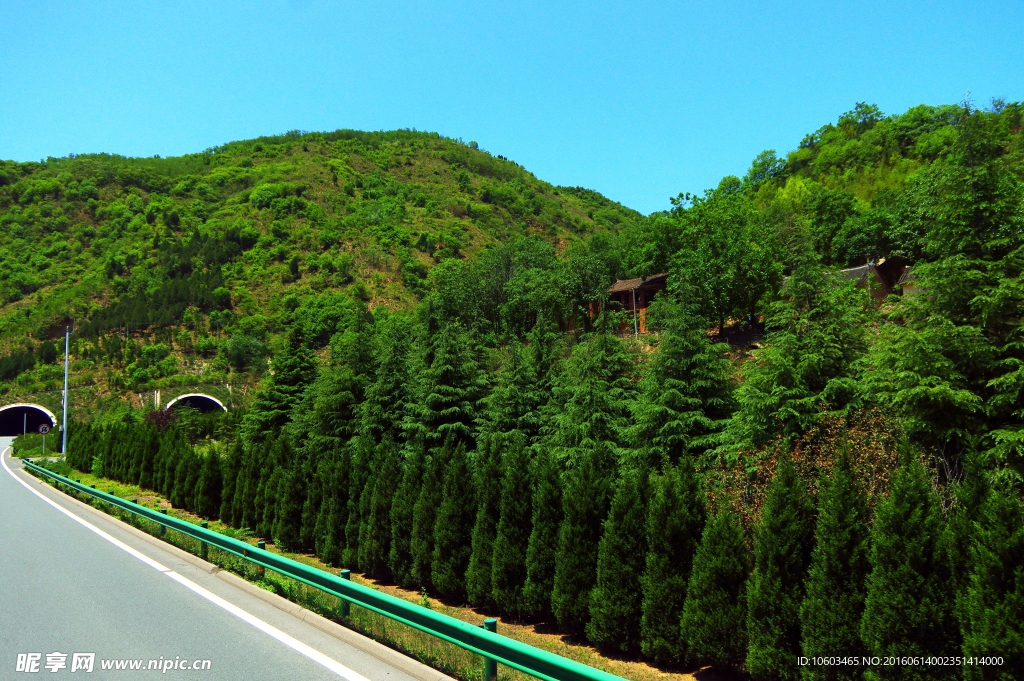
(638, 100)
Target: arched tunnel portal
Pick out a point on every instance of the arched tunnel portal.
(203, 403)
(24, 416)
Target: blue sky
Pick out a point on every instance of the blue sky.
(638, 100)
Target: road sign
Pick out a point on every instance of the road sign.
(44, 429)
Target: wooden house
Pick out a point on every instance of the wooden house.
(880, 279)
(636, 295)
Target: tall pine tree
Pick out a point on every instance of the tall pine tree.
(714, 622)
(512, 536)
(487, 473)
(993, 612)
(453, 528)
(832, 608)
(542, 546)
(615, 601)
(584, 506)
(782, 549)
(675, 521)
(908, 609)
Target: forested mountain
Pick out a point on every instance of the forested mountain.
(210, 256)
(849, 484)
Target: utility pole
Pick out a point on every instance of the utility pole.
(636, 331)
(64, 425)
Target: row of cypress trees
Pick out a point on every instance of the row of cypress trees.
(633, 561)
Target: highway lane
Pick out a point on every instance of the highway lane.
(66, 589)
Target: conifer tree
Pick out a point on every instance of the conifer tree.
(243, 506)
(333, 511)
(452, 386)
(675, 521)
(453, 528)
(908, 609)
(831, 611)
(315, 473)
(209, 486)
(293, 369)
(232, 468)
(383, 408)
(993, 613)
(267, 500)
(783, 540)
(714, 622)
(488, 499)
(615, 601)
(584, 507)
(424, 516)
(375, 545)
(359, 475)
(590, 397)
(402, 507)
(685, 399)
(288, 515)
(542, 546)
(515, 403)
(512, 535)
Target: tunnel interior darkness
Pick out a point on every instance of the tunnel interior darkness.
(12, 419)
(201, 402)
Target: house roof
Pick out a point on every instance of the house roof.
(640, 282)
(907, 276)
(858, 274)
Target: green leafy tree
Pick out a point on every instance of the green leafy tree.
(376, 533)
(685, 397)
(453, 385)
(421, 543)
(293, 369)
(808, 365)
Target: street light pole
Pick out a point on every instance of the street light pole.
(64, 425)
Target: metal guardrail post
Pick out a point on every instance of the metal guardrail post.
(260, 570)
(163, 528)
(490, 664)
(346, 607)
(204, 548)
(480, 641)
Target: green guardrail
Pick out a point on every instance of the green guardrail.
(494, 647)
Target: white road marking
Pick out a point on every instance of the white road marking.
(272, 631)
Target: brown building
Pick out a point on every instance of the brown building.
(636, 295)
(880, 278)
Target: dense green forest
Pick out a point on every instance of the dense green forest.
(189, 269)
(849, 485)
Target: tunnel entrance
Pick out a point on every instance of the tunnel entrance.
(15, 417)
(204, 403)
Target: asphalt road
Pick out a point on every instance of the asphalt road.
(66, 588)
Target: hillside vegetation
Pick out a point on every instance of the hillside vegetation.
(190, 266)
(849, 485)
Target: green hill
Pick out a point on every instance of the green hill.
(233, 240)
